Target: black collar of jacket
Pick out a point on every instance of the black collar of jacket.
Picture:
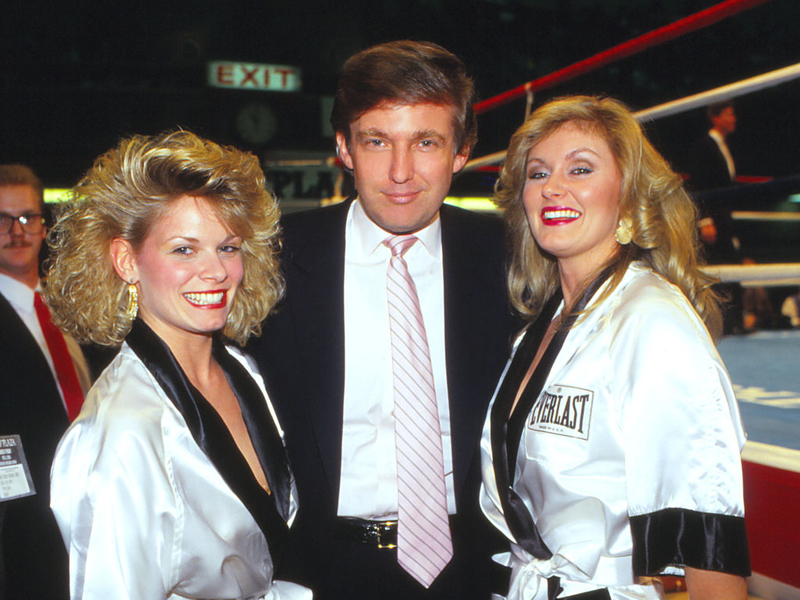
(506, 431)
(270, 511)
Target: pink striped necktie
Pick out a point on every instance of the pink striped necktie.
(424, 546)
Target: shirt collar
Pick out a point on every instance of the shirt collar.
(717, 137)
(19, 295)
(370, 236)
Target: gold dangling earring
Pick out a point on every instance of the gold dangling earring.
(133, 302)
(624, 232)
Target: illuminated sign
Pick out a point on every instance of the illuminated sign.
(52, 195)
(252, 76)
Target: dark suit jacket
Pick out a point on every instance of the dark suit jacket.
(301, 355)
(34, 560)
(708, 171)
(707, 167)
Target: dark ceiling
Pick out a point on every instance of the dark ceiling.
(75, 75)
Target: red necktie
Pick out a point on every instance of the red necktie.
(62, 361)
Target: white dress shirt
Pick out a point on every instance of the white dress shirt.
(369, 469)
(726, 153)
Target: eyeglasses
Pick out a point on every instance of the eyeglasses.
(30, 223)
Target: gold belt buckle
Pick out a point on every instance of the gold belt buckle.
(382, 527)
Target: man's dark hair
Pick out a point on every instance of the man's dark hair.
(22, 175)
(405, 73)
(715, 110)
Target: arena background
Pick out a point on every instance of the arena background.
(75, 75)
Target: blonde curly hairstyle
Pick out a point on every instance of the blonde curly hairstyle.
(122, 196)
(652, 197)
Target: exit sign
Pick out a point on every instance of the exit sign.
(253, 76)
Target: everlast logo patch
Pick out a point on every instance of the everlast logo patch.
(564, 411)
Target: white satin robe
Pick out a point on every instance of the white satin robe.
(144, 513)
(652, 423)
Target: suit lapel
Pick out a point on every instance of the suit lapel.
(316, 263)
(463, 308)
(30, 404)
(40, 376)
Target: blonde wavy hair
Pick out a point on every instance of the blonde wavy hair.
(652, 197)
(123, 195)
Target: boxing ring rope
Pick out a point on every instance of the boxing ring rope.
(656, 37)
(778, 274)
(726, 92)
(747, 275)
(754, 215)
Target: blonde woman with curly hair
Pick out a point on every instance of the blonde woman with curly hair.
(610, 453)
(173, 481)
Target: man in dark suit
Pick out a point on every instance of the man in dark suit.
(711, 166)
(34, 560)
(404, 125)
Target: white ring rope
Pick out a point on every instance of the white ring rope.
(754, 215)
(726, 92)
(778, 274)
(747, 275)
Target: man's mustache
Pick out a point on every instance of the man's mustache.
(17, 244)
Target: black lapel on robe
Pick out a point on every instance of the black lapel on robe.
(516, 513)
(261, 426)
(210, 432)
(507, 432)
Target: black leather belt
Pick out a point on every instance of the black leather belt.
(382, 534)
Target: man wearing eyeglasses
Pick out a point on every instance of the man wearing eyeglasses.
(43, 376)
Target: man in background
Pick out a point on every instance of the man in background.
(382, 516)
(43, 378)
(711, 167)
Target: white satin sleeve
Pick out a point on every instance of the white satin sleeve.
(143, 511)
(677, 410)
(112, 495)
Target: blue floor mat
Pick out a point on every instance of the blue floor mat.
(765, 370)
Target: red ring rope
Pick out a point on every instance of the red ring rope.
(656, 37)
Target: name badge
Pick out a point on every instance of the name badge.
(563, 410)
(15, 476)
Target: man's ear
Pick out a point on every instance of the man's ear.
(461, 159)
(342, 151)
(124, 260)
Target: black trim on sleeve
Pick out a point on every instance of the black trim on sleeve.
(681, 537)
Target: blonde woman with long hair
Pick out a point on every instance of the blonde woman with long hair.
(611, 450)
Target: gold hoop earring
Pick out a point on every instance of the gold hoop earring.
(624, 232)
(133, 302)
